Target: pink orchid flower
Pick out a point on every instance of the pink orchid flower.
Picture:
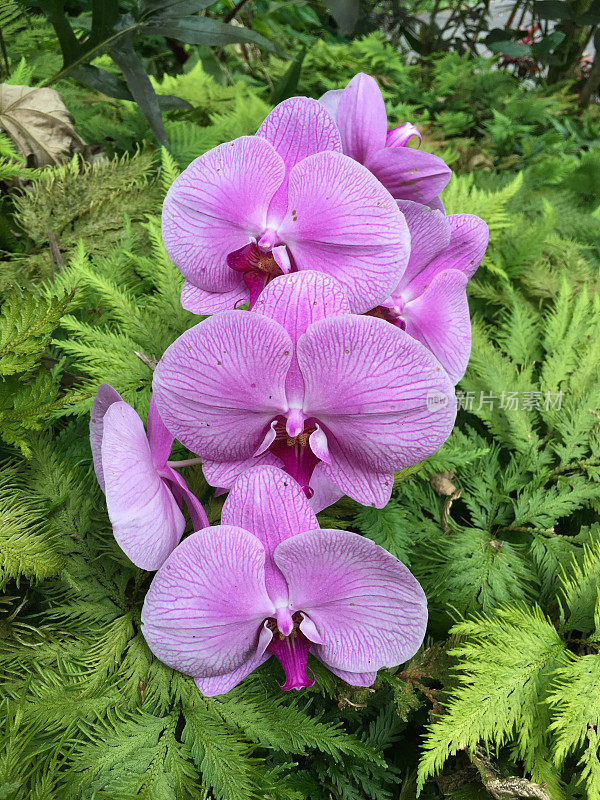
(268, 581)
(430, 302)
(282, 201)
(360, 114)
(306, 385)
(143, 491)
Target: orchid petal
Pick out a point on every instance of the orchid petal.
(325, 491)
(439, 317)
(436, 204)
(369, 385)
(296, 301)
(272, 506)
(105, 397)
(368, 608)
(359, 481)
(468, 242)
(429, 236)
(203, 611)
(146, 520)
(219, 384)
(409, 174)
(355, 678)
(299, 127)
(181, 491)
(215, 205)
(361, 118)
(199, 301)
(221, 684)
(342, 222)
(159, 438)
(225, 473)
(331, 101)
(401, 135)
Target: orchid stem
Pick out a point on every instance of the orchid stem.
(188, 462)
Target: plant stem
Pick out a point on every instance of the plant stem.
(188, 462)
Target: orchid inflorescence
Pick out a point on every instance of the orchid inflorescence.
(340, 373)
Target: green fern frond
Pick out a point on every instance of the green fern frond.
(580, 588)
(575, 705)
(26, 325)
(29, 545)
(501, 687)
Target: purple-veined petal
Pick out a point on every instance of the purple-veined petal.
(331, 101)
(271, 505)
(361, 118)
(439, 317)
(342, 222)
(146, 520)
(401, 135)
(436, 204)
(225, 473)
(354, 678)
(468, 242)
(409, 174)
(368, 608)
(216, 205)
(325, 491)
(199, 301)
(359, 481)
(197, 513)
(299, 127)
(105, 397)
(159, 438)
(219, 385)
(372, 387)
(429, 236)
(221, 684)
(296, 301)
(204, 609)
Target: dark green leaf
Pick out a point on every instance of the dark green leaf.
(113, 86)
(203, 30)
(502, 35)
(139, 84)
(105, 14)
(508, 48)
(69, 46)
(287, 84)
(548, 43)
(553, 9)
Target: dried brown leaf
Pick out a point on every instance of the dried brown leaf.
(38, 122)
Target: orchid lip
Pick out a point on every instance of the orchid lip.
(258, 267)
(391, 314)
(291, 442)
(291, 650)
